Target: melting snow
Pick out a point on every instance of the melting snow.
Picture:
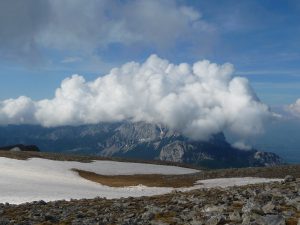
(35, 179)
(228, 182)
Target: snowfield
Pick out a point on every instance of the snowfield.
(35, 179)
(235, 181)
(42, 179)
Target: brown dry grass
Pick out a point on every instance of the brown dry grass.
(24, 155)
(291, 221)
(150, 180)
(166, 217)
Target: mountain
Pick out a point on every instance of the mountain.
(136, 140)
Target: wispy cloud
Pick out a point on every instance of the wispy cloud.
(280, 85)
(71, 60)
(269, 72)
(88, 27)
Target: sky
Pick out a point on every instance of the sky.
(44, 43)
(41, 43)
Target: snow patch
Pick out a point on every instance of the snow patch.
(35, 179)
(42, 179)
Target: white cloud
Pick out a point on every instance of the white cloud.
(295, 108)
(71, 60)
(241, 145)
(17, 111)
(199, 100)
(19, 25)
(88, 26)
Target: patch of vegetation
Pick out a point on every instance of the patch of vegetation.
(150, 180)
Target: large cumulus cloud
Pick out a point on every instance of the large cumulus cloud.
(199, 100)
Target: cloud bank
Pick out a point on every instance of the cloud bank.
(199, 100)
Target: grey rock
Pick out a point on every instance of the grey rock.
(235, 216)
(288, 213)
(154, 209)
(130, 215)
(42, 202)
(213, 208)
(294, 202)
(246, 219)
(251, 206)
(268, 208)
(271, 220)
(4, 221)
(51, 218)
(158, 222)
(289, 178)
(173, 152)
(267, 158)
(215, 220)
(147, 216)
(196, 222)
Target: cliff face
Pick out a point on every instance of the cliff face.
(137, 140)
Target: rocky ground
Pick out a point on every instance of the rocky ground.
(275, 203)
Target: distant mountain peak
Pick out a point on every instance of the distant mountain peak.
(137, 140)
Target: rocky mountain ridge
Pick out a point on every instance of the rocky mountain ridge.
(137, 140)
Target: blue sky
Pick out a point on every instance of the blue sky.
(42, 43)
